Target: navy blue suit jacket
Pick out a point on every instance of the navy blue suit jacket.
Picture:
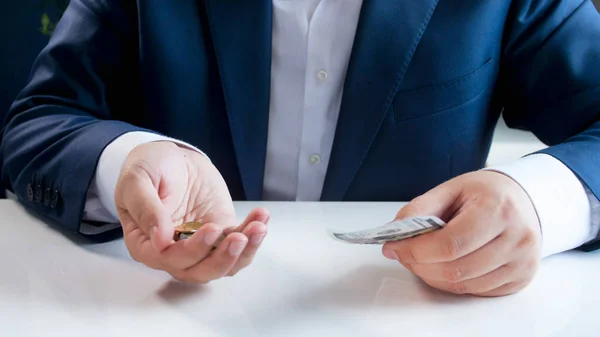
(426, 84)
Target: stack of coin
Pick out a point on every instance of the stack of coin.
(186, 230)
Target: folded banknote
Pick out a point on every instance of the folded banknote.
(392, 231)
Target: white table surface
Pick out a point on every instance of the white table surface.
(302, 283)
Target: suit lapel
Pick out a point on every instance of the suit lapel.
(241, 32)
(387, 36)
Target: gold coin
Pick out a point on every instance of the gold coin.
(186, 230)
(188, 227)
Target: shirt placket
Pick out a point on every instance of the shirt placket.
(313, 156)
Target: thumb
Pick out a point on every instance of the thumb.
(139, 198)
(437, 202)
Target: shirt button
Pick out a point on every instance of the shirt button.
(322, 75)
(314, 159)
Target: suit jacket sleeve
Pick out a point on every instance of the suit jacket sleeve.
(63, 119)
(550, 80)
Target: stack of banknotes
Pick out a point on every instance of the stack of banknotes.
(392, 231)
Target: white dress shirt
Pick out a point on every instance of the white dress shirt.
(311, 45)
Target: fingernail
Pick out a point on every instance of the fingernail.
(390, 254)
(265, 219)
(256, 239)
(236, 248)
(211, 237)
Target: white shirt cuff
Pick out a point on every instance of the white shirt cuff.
(560, 199)
(100, 203)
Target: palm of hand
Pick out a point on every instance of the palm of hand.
(161, 186)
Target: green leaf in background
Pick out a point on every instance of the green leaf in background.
(48, 26)
(52, 12)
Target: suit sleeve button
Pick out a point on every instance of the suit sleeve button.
(47, 197)
(29, 192)
(54, 201)
(38, 193)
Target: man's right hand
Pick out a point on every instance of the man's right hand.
(162, 185)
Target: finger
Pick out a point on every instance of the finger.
(140, 248)
(409, 267)
(141, 201)
(495, 279)
(439, 201)
(218, 263)
(256, 233)
(258, 214)
(189, 252)
(127, 222)
(506, 289)
(470, 230)
(490, 257)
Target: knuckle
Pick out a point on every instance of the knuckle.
(529, 240)
(405, 253)
(507, 272)
(507, 210)
(134, 173)
(415, 206)
(131, 174)
(453, 274)
(530, 266)
(141, 167)
(457, 287)
(451, 248)
(413, 257)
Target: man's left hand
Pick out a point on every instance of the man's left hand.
(491, 245)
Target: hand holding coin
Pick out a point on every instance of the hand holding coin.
(177, 215)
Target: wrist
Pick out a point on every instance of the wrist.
(520, 196)
(559, 200)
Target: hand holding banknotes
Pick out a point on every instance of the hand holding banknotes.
(163, 185)
(490, 246)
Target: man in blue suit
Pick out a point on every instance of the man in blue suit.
(143, 115)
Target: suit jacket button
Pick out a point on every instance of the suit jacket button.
(29, 192)
(47, 197)
(54, 201)
(38, 193)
